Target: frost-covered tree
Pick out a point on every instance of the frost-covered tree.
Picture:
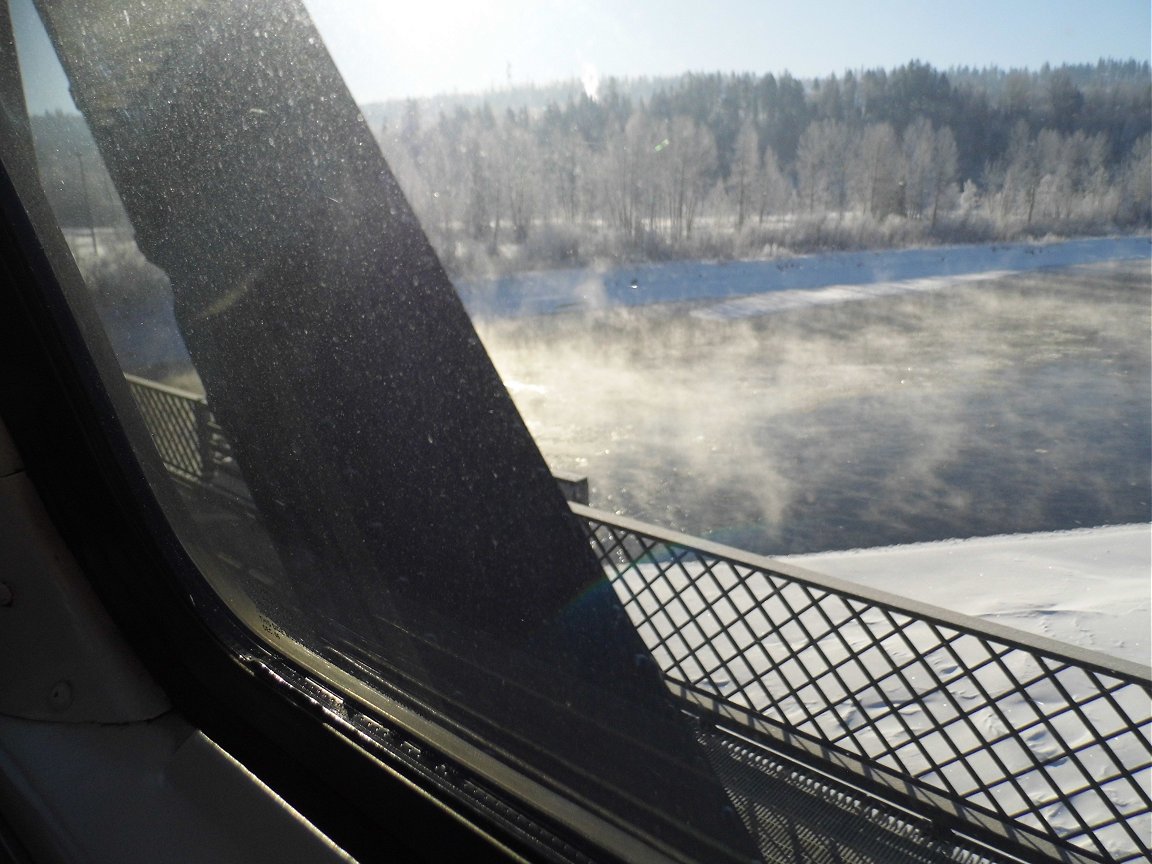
(515, 159)
(625, 172)
(744, 172)
(690, 173)
(773, 190)
(822, 158)
(877, 174)
(1134, 185)
(1021, 176)
(634, 169)
(565, 172)
(931, 159)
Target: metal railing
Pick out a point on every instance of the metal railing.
(1021, 737)
(190, 442)
(1025, 743)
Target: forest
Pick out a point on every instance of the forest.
(722, 166)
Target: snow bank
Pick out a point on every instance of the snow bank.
(1091, 587)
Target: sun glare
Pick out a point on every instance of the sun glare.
(418, 49)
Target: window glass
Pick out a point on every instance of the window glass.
(684, 273)
(351, 476)
(826, 299)
(865, 303)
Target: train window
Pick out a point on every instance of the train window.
(379, 325)
(354, 480)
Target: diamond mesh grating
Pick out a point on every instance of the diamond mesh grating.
(1022, 733)
(190, 442)
(175, 423)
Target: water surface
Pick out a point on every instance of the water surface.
(1018, 403)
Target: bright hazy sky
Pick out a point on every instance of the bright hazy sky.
(423, 47)
(420, 47)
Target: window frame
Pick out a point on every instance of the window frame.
(73, 426)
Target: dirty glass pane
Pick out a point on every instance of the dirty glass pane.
(887, 320)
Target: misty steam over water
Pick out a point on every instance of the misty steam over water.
(1016, 403)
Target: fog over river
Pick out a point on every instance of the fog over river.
(966, 405)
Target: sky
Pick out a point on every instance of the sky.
(425, 47)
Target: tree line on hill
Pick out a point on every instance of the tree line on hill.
(742, 165)
(739, 165)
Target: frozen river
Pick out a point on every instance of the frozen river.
(915, 407)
